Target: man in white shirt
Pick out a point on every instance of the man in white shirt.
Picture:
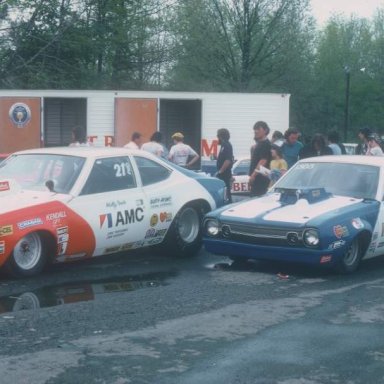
(135, 142)
(182, 154)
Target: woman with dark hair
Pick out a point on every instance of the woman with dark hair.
(363, 135)
(154, 146)
(318, 147)
(79, 137)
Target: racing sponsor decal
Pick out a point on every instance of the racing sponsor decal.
(325, 259)
(62, 240)
(29, 223)
(165, 216)
(115, 204)
(119, 218)
(112, 249)
(150, 233)
(380, 245)
(240, 187)
(158, 202)
(6, 230)
(154, 241)
(4, 186)
(117, 233)
(154, 220)
(55, 217)
(336, 244)
(127, 246)
(375, 236)
(2, 247)
(139, 202)
(357, 223)
(340, 231)
(372, 247)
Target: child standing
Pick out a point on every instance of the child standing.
(278, 164)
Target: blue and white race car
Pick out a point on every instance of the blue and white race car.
(65, 204)
(324, 211)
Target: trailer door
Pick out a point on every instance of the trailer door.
(20, 119)
(132, 115)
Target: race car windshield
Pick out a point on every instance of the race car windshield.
(32, 171)
(354, 180)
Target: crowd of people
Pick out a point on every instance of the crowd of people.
(270, 159)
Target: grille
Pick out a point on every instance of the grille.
(253, 234)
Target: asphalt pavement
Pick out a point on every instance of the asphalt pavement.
(148, 318)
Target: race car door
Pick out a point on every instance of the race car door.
(113, 206)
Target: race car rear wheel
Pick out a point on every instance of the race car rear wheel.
(352, 257)
(184, 237)
(28, 257)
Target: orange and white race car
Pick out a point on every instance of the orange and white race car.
(69, 203)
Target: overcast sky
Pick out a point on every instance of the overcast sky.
(323, 9)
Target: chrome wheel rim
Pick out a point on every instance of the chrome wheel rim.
(27, 251)
(188, 225)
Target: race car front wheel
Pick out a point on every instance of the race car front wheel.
(352, 257)
(28, 257)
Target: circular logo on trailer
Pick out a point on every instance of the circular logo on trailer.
(20, 114)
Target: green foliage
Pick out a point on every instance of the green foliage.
(201, 45)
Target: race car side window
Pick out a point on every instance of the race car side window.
(150, 171)
(110, 174)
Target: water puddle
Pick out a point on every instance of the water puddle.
(51, 296)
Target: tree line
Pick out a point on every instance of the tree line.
(335, 74)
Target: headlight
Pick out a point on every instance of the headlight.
(311, 237)
(212, 227)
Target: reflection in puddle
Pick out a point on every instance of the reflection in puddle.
(80, 291)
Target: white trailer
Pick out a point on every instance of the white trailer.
(31, 118)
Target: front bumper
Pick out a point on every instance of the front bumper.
(262, 252)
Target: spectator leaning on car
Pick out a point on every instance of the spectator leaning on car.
(225, 159)
(260, 157)
(135, 142)
(291, 146)
(180, 153)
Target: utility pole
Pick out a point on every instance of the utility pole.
(346, 110)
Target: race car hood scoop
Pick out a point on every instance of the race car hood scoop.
(292, 196)
(296, 210)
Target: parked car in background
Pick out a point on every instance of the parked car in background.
(64, 204)
(240, 177)
(325, 211)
